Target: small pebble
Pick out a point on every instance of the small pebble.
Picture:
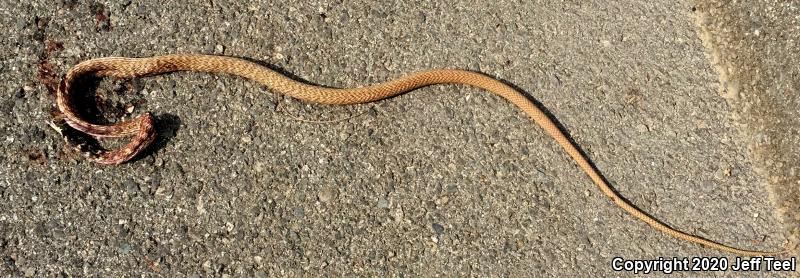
(160, 191)
(539, 176)
(398, 214)
(131, 186)
(299, 212)
(125, 248)
(383, 203)
(452, 188)
(325, 195)
(439, 229)
(442, 201)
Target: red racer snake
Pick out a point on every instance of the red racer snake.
(142, 130)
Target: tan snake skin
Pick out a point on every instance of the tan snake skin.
(141, 128)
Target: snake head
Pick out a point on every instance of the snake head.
(141, 128)
(141, 139)
(142, 136)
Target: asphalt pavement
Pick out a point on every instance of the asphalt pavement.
(689, 109)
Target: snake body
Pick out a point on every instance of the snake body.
(143, 133)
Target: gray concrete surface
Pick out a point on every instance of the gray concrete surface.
(446, 180)
(755, 49)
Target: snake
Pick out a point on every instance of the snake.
(142, 131)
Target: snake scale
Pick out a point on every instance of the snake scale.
(142, 130)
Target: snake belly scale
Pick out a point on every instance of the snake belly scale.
(143, 132)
